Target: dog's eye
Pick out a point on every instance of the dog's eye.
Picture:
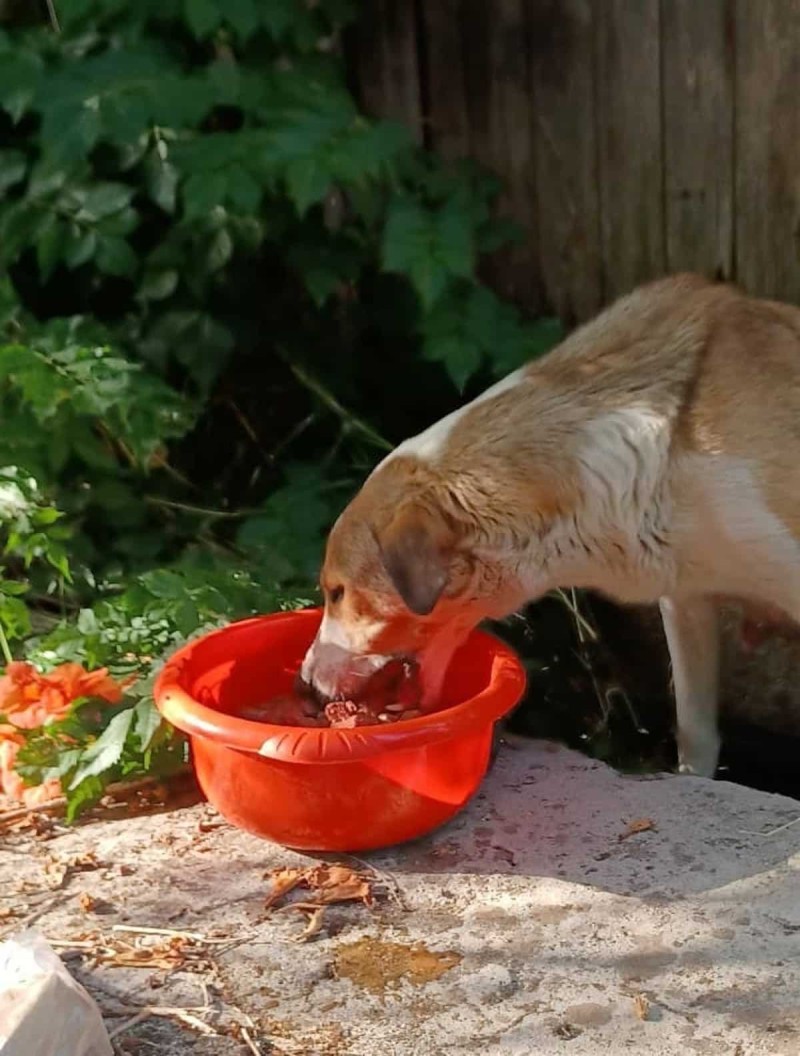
(335, 594)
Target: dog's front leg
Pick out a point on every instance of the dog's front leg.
(691, 626)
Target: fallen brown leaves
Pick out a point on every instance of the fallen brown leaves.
(636, 826)
(641, 1007)
(154, 948)
(327, 885)
(87, 902)
(30, 821)
(59, 870)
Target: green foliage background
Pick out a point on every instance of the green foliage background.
(226, 293)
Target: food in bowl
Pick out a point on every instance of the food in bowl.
(329, 789)
(392, 694)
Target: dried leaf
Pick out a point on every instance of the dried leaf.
(177, 953)
(284, 880)
(338, 883)
(637, 825)
(87, 903)
(58, 870)
(641, 1006)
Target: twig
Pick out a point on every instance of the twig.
(583, 625)
(182, 1014)
(200, 511)
(53, 15)
(57, 805)
(173, 933)
(9, 659)
(256, 1051)
(618, 691)
(248, 429)
(772, 832)
(52, 806)
(389, 881)
(330, 401)
(297, 430)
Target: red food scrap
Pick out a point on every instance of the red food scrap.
(345, 714)
(393, 693)
(288, 709)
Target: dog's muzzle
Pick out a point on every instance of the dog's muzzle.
(331, 672)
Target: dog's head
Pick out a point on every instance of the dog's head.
(405, 574)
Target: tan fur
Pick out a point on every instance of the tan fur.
(654, 455)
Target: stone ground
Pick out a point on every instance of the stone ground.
(568, 910)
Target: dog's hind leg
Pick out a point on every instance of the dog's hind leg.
(691, 626)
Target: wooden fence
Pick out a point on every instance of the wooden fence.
(633, 137)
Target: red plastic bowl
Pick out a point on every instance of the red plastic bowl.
(325, 789)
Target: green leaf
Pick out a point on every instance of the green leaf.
(242, 15)
(203, 16)
(455, 241)
(406, 235)
(157, 285)
(146, 722)
(13, 166)
(80, 248)
(162, 183)
(201, 192)
(220, 250)
(165, 584)
(460, 355)
(12, 587)
(115, 257)
(277, 15)
(87, 622)
(242, 190)
(83, 796)
(542, 335)
(120, 223)
(307, 181)
(70, 139)
(49, 246)
(187, 618)
(106, 750)
(14, 617)
(103, 199)
(56, 556)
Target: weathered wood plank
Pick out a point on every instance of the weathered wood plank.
(562, 72)
(768, 147)
(386, 53)
(698, 61)
(501, 127)
(446, 118)
(628, 108)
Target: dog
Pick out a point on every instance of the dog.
(653, 456)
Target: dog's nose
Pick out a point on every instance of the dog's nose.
(333, 673)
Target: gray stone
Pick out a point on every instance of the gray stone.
(540, 920)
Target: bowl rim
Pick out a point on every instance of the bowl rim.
(301, 744)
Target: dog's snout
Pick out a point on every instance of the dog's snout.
(332, 672)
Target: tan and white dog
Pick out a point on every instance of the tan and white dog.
(653, 456)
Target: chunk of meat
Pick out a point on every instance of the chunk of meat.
(392, 694)
(394, 685)
(286, 710)
(346, 714)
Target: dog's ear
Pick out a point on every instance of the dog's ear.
(416, 548)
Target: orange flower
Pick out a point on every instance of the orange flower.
(30, 699)
(12, 788)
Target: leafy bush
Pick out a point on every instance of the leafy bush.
(226, 294)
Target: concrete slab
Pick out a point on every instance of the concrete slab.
(569, 909)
